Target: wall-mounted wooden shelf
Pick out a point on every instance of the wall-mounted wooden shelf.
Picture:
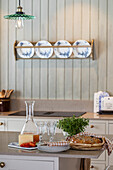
(54, 56)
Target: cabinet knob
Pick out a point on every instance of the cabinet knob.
(2, 164)
(92, 166)
(92, 126)
(1, 123)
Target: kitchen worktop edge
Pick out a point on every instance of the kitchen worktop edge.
(91, 116)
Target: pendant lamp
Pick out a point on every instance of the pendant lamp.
(19, 17)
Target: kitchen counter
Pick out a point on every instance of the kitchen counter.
(92, 116)
(7, 137)
(98, 124)
(98, 116)
(22, 159)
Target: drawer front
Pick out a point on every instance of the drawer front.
(110, 128)
(2, 125)
(27, 165)
(111, 159)
(96, 127)
(15, 125)
(97, 166)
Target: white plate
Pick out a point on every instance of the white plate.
(16, 145)
(62, 52)
(25, 52)
(82, 52)
(53, 148)
(43, 52)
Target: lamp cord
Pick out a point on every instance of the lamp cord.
(19, 2)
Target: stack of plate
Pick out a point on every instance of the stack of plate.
(53, 148)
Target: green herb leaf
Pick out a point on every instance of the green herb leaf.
(73, 125)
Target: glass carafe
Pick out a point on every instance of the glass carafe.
(29, 127)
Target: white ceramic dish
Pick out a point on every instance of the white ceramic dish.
(63, 52)
(25, 52)
(43, 52)
(82, 52)
(53, 148)
(16, 145)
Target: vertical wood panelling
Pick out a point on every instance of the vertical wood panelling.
(20, 67)
(28, 63)
(4, 45)
(102, 45)
(44, 63)
(12, 37)
(36, 37)
(58, 20)
(110, 48)
(60, 36)
(0, 41)
(77, 63)
(52, 37)
(94, 35)
(69, 37)
(85, 35)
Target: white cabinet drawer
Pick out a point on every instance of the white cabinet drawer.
(29, 162)
(111, 156)
(96, 127)
(97, 166)
(111, 159)
(15, 125)
(2, 125)
(27, 165)
(110, 128)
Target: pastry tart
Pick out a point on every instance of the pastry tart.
(84, 142)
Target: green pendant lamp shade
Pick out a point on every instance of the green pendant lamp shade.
(19, 16)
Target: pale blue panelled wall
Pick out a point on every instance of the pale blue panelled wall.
(58, 20)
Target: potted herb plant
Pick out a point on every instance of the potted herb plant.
(73, 125)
